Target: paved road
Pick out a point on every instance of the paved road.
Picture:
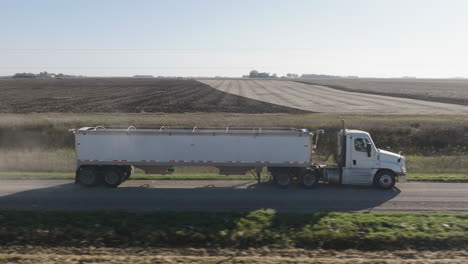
(322, 99)
(216, 195)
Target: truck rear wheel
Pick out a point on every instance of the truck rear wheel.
(385, 180)
(128, 172)
(310, 179)
(283, 180)
(113, 177)
(88, 176)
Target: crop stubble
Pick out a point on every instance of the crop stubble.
(322, 99)
(438, 90)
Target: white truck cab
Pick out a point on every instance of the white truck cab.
(360, 162)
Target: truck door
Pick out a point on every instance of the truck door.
(363, 163)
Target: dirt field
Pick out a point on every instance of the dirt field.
(226, 256)
(129, 95)
(437, 90)
(328, 100)
(139, 95)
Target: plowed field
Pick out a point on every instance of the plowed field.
(129, 95)
(323, 99)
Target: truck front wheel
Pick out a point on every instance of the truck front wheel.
(385, 179)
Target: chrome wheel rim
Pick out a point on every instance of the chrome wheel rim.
(385, 180)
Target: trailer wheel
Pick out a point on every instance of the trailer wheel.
(283, 180)
(310, 179)
(88, 176)
(128, 172)
(385, 179)
(113, 177)
(273, 176)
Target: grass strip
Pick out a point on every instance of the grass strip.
(389, 231)
(439, 177)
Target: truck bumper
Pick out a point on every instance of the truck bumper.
(402, 177)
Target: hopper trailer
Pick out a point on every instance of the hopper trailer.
(109, 155)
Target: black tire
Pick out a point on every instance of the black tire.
(113, 177)
(88, 176)
(385, 180)
(274, 178)
(283, 180)
(128, 172)
(310, 179)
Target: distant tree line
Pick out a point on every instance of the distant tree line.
(257, 74)
(325, 76)
(43, 74)
(143, 76)
(24, 75)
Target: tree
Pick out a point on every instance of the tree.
(256, 74)
(24, 75)
(44, 74)
(253, 74)
(263, 75)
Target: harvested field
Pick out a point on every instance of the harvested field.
(322, 99)
(436, 90)
(129, 95)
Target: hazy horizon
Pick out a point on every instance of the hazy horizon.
(380, 39)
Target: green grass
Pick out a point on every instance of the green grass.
(442, 164)
(236, 230)
(442, 177)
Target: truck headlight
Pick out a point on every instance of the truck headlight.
(403, 169)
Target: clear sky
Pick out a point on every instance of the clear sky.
(374, 38)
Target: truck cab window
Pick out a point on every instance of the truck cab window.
(360, 144)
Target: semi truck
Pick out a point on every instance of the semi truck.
(109, 155)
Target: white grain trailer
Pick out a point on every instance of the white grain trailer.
(106, 155)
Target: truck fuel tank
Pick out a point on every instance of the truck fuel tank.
(330, 173)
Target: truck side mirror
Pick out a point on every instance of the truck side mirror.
(369, 149)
